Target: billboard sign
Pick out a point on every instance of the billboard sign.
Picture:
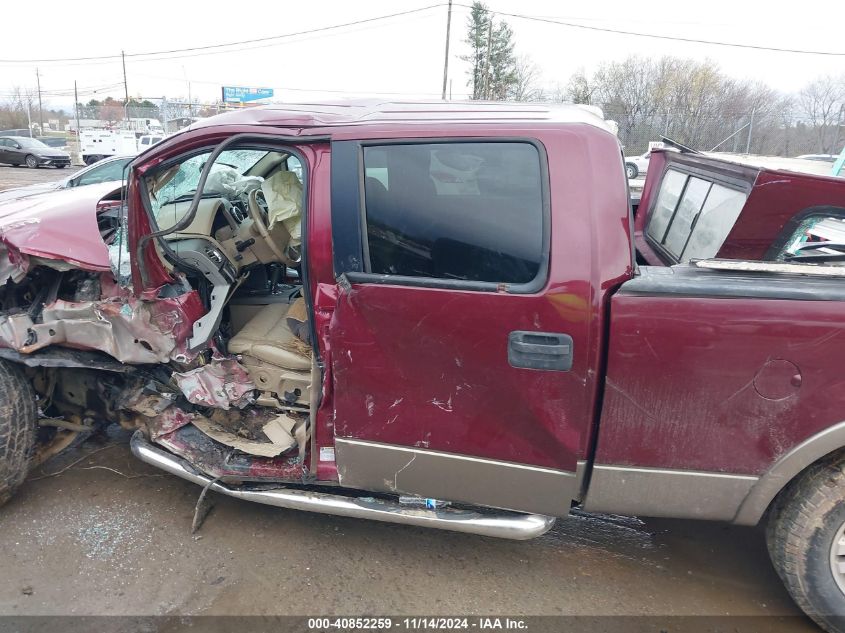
(241, 94)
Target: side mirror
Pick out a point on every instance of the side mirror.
(17, 146)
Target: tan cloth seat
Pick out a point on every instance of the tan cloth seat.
(267, 337)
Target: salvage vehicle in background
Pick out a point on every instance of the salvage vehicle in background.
(96, 145)
(22, 150)
(636, 166)
(332, 307)
(107, 170)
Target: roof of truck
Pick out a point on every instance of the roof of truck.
(777, 163)
(373, 111)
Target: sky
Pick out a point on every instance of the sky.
(399, 57)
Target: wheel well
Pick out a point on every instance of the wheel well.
(823, 445)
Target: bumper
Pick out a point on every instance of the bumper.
(53, 162)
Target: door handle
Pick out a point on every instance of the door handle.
(540, 350)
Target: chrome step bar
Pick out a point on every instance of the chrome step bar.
(514, 526)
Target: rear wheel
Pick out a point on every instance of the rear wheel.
(806, 539)
(632, 170)
(31, 161)
(18, 422)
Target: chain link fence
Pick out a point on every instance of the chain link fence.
(739, 133)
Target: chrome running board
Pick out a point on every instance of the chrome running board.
(514, 526)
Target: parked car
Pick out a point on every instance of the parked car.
(22, 150)
(486, 336)
(637, 165)
(107, 170)
(53, 141)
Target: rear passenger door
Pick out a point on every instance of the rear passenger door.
(454, 374)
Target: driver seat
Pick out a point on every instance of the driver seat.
(277, 361)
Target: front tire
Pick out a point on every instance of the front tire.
(806, 539)
(18, 425)
(31, 161)
(631, 170)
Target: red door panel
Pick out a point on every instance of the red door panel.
(435, 374)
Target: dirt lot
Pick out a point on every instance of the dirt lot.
(20, 176)
(110, 535)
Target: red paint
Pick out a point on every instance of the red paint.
(428, 368)
(542, 418)
(692, 383)
(775, 197)
(685, 377)
(58, 225)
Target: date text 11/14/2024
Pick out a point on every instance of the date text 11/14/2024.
(416, 623)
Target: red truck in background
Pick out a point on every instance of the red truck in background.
(331, 307)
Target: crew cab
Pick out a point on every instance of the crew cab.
(444, 314)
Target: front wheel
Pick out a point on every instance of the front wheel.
(60, 166)
(806, 539)
(31, 161)
(632, 170)
(18, 424)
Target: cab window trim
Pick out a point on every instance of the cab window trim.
(352, 246)
(735, 184)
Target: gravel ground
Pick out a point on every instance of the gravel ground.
(111, 536)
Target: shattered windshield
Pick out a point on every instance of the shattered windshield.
(179, 182)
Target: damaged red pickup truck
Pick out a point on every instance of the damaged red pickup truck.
(327, 307)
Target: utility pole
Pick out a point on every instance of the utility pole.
(446, 56)
(125, 88)
(486, 84)
(40, 110)
(78, 127)
(750, 130)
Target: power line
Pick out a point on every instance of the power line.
(218, 46)
(672, 38)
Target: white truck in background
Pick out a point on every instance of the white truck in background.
(96, 145)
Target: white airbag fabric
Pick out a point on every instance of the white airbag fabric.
(283, 193)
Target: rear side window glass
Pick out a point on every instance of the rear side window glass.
(667, 200)
(461, 211)
(693, 216)
(715, 221)
(688, 208)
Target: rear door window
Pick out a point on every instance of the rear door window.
(460, 211)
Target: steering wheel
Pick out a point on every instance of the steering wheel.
(260, 214)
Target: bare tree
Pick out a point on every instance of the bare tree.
(526, 76)
(579, 89)
(822, 102)
(14, 110)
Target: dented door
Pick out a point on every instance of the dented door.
(461, 368)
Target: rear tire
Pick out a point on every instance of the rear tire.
(631, 170)
(18, 424)
(806, 538)
(31, 162)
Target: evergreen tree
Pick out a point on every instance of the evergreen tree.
(493, 74)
